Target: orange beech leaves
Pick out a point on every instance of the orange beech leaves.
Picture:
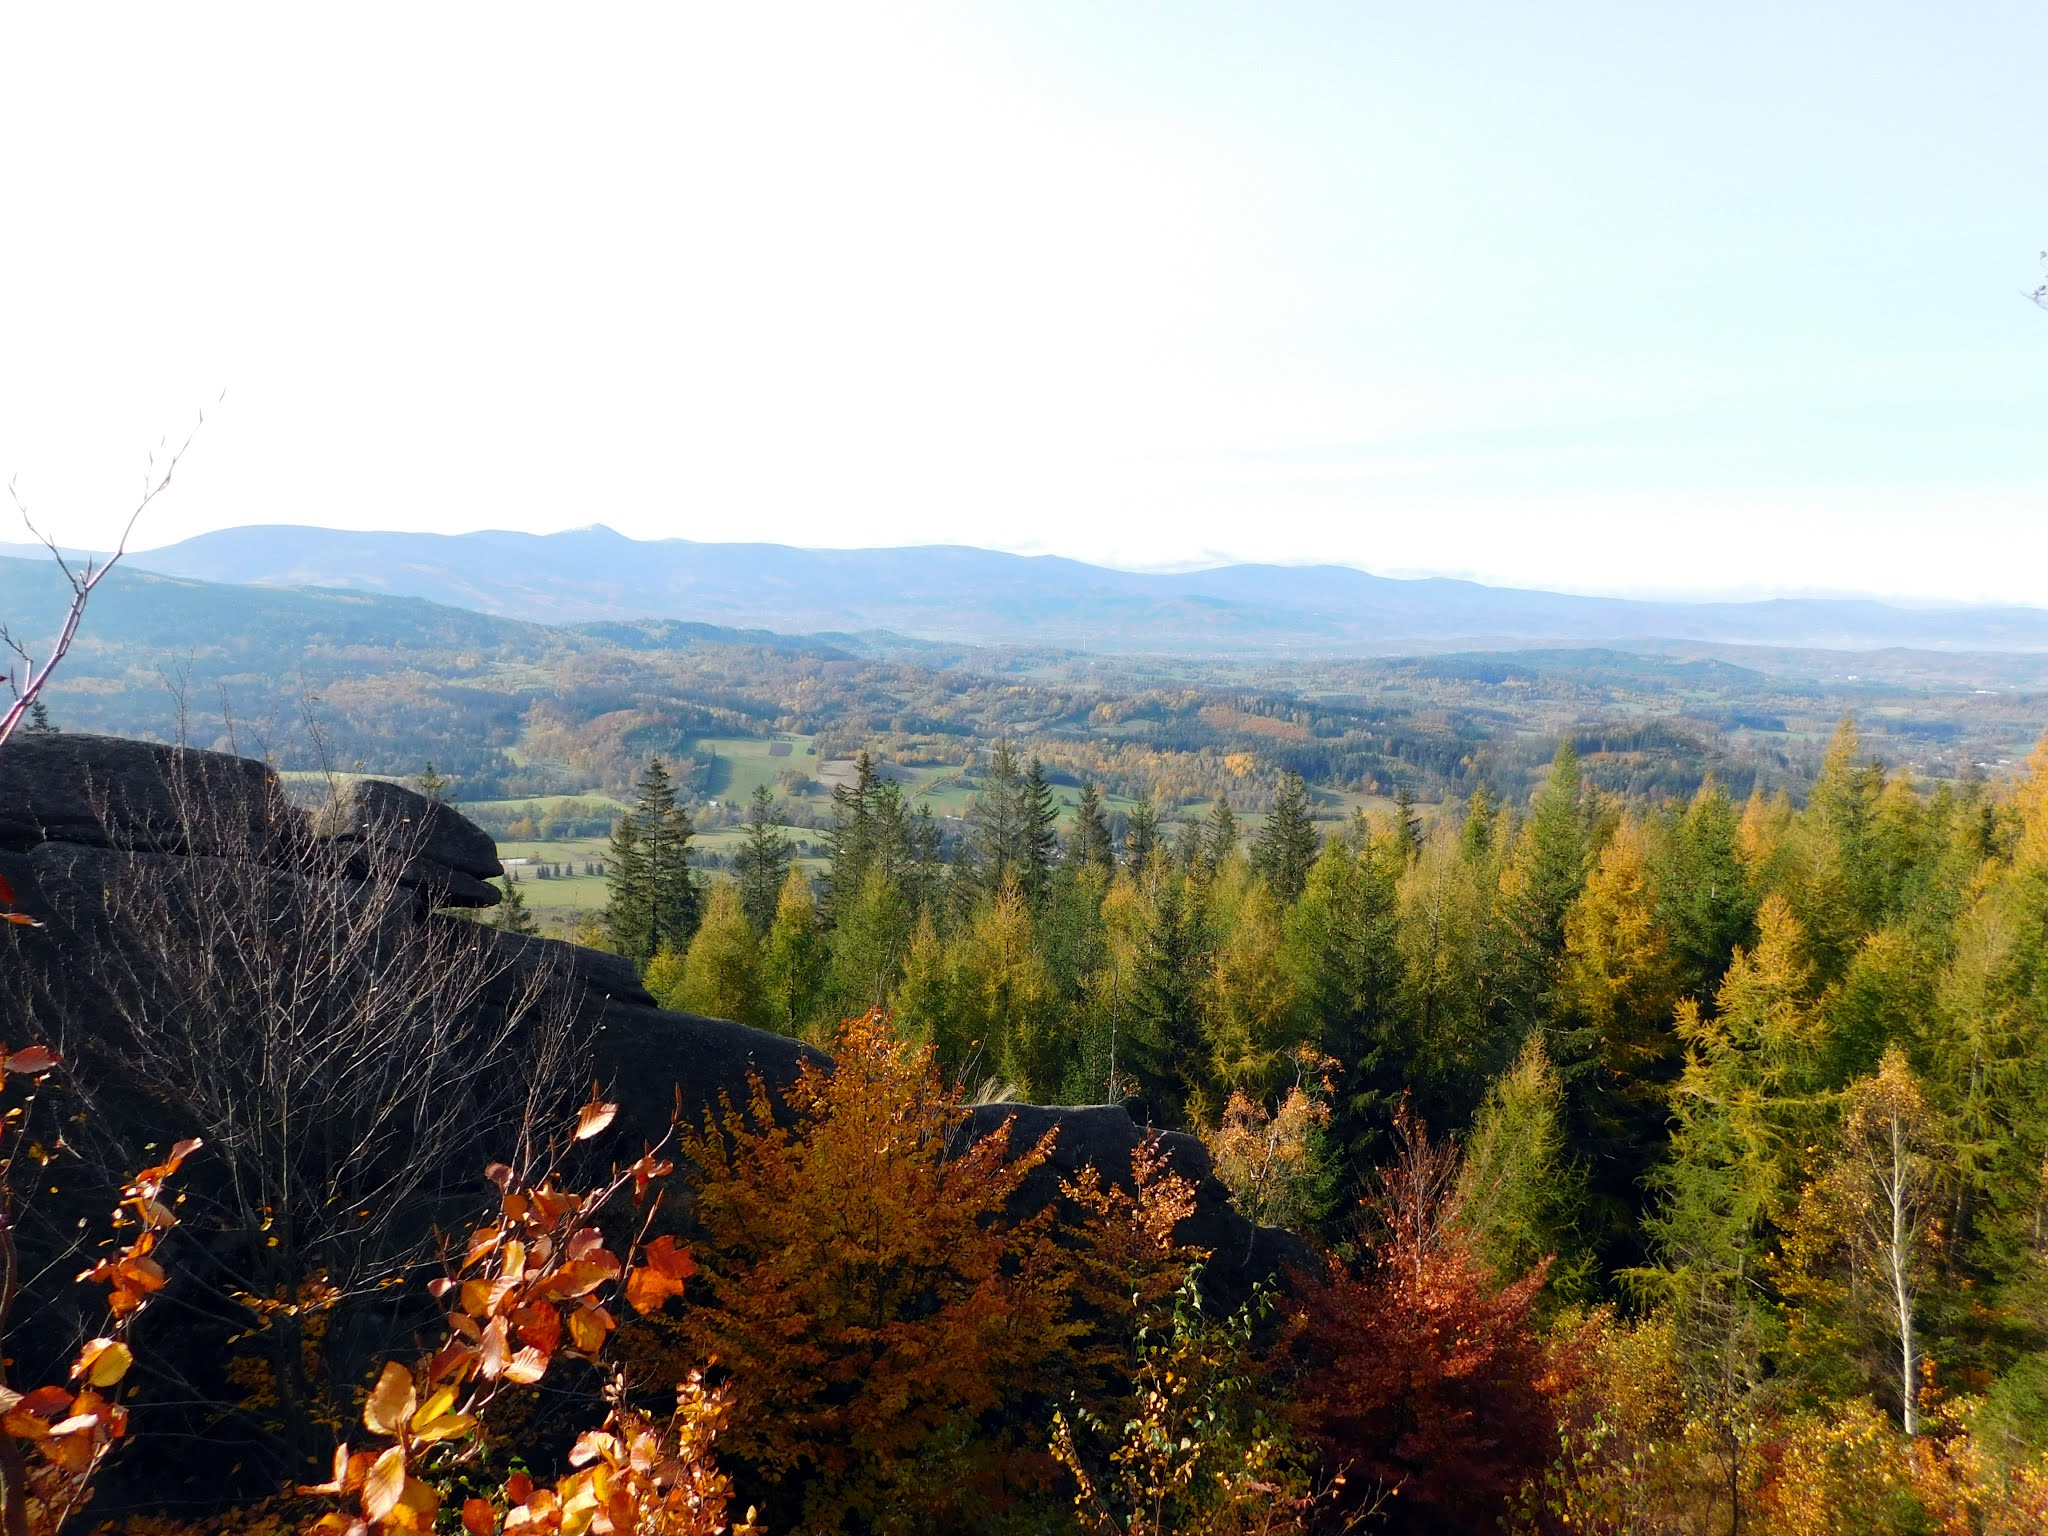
(54, 1438)
(532, 1289)
(864, 1289)
(1423, 1373)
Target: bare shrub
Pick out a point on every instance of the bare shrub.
(347, 1053)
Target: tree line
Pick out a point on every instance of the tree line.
(1759, 1089)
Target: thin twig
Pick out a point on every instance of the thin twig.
(30, 680)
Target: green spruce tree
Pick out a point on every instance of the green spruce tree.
(851, 842)
(1219, 835)
(722, 970)
(1141, 836)
(651, 891)
(1286, 845)
(1744, 1110)
(437, 787)
(870, 942)
(513, 914)
(1038, 838)
(1165, 1050)
(1343, 943)
(628, 920)
(1407, 825)
(1704, 899)
(1520, 1191)
(1000, 825)
(793, 959)
(762, 862)
(1088, 844)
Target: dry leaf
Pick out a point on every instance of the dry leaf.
(392, 1403)
(593, 1118)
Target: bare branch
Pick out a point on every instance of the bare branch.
(30, 680)
(280, 984)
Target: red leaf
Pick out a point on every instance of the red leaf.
(45, 1401)
(6, 891)
(540, 1326)
(34, 1058)
(478, 1518)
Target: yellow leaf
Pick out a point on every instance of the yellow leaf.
(103, 1362)
(391, 1402)
(384, 1485)
(420, 1500)
(434, 1407)
(445, 1427)
(587, 1329)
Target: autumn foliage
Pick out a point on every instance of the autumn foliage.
(863, 1290)
(535, 1289)
(1422, 1375)
(54, 1438)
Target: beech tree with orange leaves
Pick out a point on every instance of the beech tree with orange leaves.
(1424, 1375)
(872, 1308)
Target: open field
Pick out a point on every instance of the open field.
(735, 766)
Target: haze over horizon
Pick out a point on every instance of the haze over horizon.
(141, 547)
(1593, 300)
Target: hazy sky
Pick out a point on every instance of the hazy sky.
(1600, 297)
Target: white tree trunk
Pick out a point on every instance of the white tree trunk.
(1899, 1260)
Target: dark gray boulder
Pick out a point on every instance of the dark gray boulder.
(1105, 1137)
(657, 1064)
(597, 977)
(109, 791)
(448, 856)
(437, 833)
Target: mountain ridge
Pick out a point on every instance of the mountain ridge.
(961, 594)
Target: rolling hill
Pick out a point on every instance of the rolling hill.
(963, 595)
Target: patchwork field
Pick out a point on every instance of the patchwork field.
(555, 845)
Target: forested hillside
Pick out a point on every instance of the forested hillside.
(1736, 1112)
(1024, 770)
(509, 708)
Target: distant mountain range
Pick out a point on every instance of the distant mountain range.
(963, 595)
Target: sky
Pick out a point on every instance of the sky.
(1604, 298)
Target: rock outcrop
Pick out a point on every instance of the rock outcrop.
(107, 791)
(448, 856)
(211, 959)
(84, 817)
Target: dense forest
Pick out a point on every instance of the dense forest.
(1728, 1116)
